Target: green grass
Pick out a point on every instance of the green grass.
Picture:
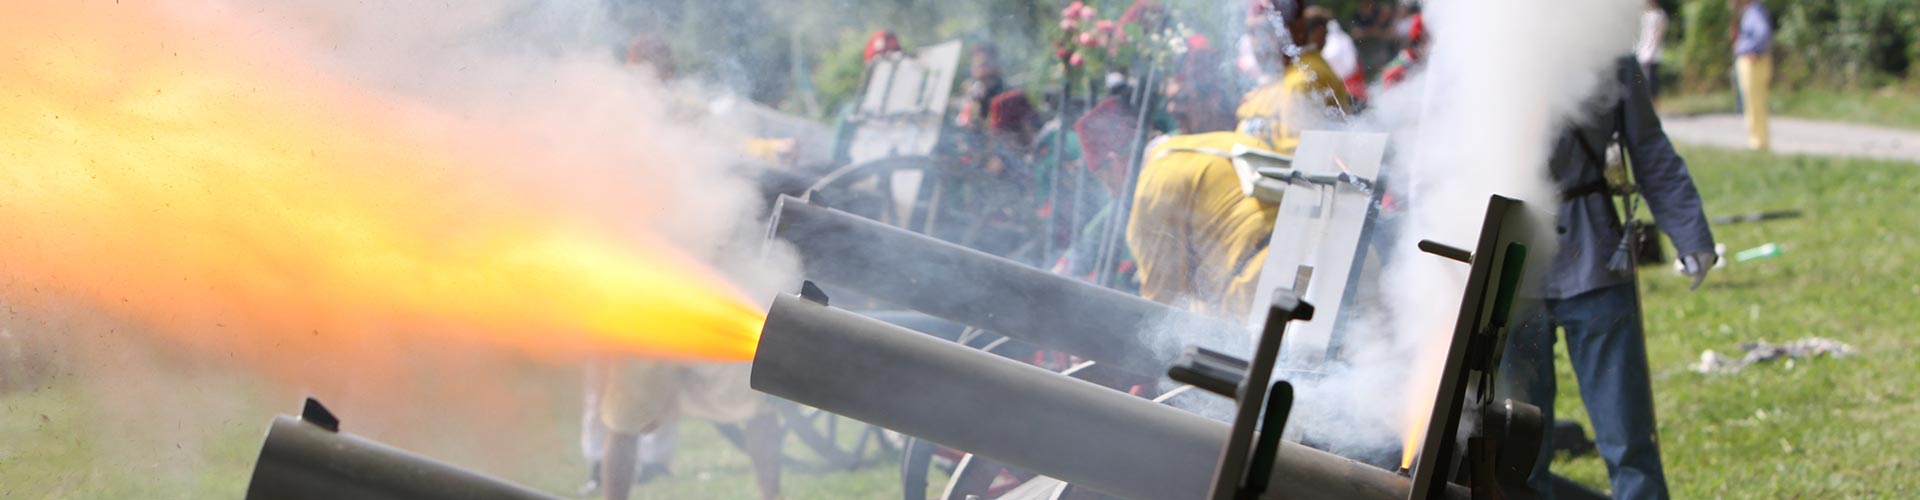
(129, 419)
(1887, 107)
(1832, 428)
(1825, 428)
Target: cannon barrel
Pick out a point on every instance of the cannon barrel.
(849, 252)
(1021, 415)
(302, 461)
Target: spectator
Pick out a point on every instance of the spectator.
(1372, 25)
(984, 81)
(1753, 66)
(1372, 20)
(1403, 20)
(1007, 189)
(1106, 135)
(1297, 85)
(1411, 58)
(1646, 50)
(631, 405)
(1341, 53)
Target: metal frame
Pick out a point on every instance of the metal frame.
(1237, 476)
(1497, 269)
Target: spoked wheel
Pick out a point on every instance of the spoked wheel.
(907, 191)
(833, 443)
(841, 443)
(924, 464)
(887, 190)
(970, 474)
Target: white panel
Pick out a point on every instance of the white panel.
(1319, 226)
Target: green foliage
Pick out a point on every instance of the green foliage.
(1704, 55)
(749, 44)
(837, 76)
(1818, 43)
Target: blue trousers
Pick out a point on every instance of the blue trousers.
(1609, 351)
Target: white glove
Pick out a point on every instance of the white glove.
(1696, 265)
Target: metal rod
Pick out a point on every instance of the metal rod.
(1059, 154)
(845, 251)
(1444, 250)
(1021, 415)
(1123, 205)
(302, 461)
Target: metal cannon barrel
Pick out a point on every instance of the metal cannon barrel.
(302, 461)
(846, 251)
(1020, 415)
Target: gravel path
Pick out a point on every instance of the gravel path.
(1799, 136)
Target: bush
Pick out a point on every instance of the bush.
(1818, 43)
(1704, 56)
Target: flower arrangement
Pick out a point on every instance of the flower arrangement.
(1083, 36)
(1088, 45)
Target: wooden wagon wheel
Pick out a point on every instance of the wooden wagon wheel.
(869, 189)
(833, 443)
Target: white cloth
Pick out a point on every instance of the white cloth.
(1340, 51)
(1653, 28)
(656, 447)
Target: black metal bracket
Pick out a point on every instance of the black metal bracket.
(313, 412)
(1209, 370)
(1262, 407)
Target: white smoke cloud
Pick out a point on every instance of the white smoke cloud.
(1501, 81)
(594, 139)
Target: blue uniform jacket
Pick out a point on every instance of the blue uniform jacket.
(1588, 227)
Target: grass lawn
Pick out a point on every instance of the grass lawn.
(188, 427)
(1888, 107)
(1827, 428)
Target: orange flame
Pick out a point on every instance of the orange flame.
(176, 180)
(1416, 428)
(1425, 381)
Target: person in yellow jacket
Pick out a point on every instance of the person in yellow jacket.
(1294, 90)
(1198, 240)
(632, 404)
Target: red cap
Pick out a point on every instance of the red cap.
(1106, 131)
(1011, 110)
(881, 42)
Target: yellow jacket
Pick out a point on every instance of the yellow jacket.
(1268, 112)
(1198, 240)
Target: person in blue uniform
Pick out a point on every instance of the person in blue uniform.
(1589, 289)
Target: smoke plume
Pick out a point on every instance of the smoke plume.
(368, 201)
(1501, 81)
